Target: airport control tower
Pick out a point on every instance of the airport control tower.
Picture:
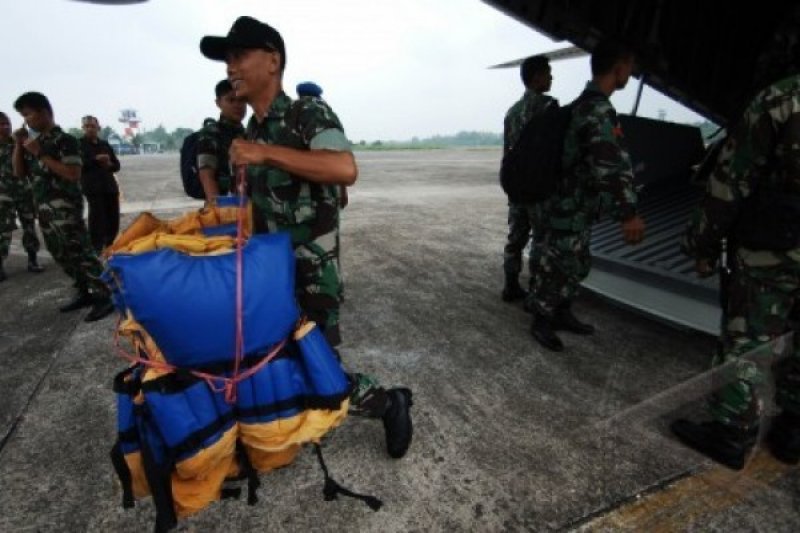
(131, 121)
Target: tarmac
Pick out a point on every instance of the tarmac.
(508, 436)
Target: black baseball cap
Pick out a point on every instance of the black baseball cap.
(246, 32)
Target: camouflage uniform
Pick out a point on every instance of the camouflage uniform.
(598, 180)
(60, 206)
(213, 144)
(309, 213)
(762, 153)
(16, 200)
(520, 216)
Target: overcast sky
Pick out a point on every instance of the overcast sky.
(391, 69)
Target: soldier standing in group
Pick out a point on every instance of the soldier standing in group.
(753, 201)
(597, 179)
(297, 156)
(54, 164)
(99, 184)
(214, 141)
(16, 200)
(537, 78)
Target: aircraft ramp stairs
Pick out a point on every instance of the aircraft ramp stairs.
(654, 277)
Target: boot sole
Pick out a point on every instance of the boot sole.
(681, 429)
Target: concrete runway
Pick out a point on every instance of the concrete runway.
(508, 437)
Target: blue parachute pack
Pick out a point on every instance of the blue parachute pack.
(191, 417)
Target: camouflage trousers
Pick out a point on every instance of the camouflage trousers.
(67, 240)
(760, 308)
(318, 290)
(560, 260)
(521, 220)
(16, 200)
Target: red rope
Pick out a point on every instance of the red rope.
(230, 389)
(228, 383)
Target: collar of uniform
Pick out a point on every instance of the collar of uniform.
(279, 106)
(228, 123)
(592, 87)
(55, 130)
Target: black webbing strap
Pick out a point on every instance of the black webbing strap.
(124, 475)
(159, 478)
(332, 489)
(247, 469)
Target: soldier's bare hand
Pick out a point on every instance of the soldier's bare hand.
(32, 146)
(246, 153)
(633, 230)
(20, 135)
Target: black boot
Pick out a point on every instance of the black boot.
(542, 331)
(565, 320)
(784, 438)
(3, 276)
(81, 299)
(397, 422)
(33, 264)
(101, 308)
(512, 290)
(724, 444)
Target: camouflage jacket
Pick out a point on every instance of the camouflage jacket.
(6, 158)
(47, 185)
(531, 104)
(9, 184)
(282, 202)
(762, 151)
(598, 177)
(213, 144)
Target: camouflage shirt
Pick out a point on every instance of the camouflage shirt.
(10, 182)
(213, 144)
(47, 185)
(598, 177)
(282, 202)
(763, 150)
(6, 158)
(519, 114)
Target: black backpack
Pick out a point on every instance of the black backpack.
(190, 175)
(531, 169)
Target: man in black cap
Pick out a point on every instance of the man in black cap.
(297, 157)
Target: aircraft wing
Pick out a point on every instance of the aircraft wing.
(700, 53)
(553, 55)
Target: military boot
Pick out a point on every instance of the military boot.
(542, 330)
(397, 422)
(512, 290)
(102, 306)
(724, 444)
(3, 276)
(784, 438)
(33, 264)
(82, 299)
(565, 320)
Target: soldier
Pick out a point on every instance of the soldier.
(537, 79)
(753, 200)
(214, 141)
(99, 184)
(597, 179)
(16, 200)
(55, 169)
(297, 156)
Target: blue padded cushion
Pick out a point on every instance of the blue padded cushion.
(187, 303)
